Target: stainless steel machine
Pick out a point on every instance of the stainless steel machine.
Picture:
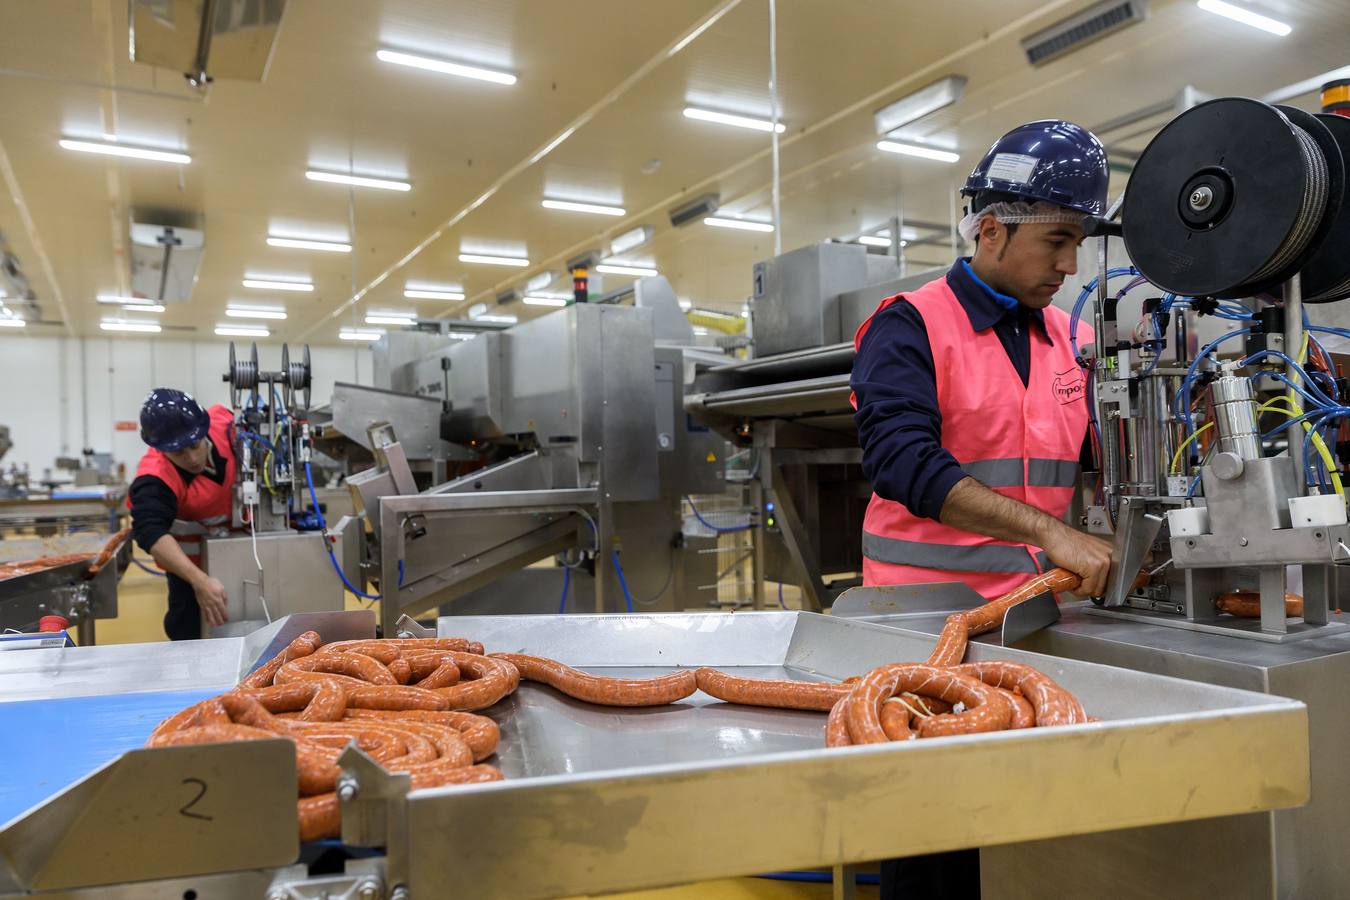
(790, 406)
(599, 800)
(563, 436)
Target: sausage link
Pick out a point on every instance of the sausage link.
(328, 703)
(479, 732)
(951, 642)
(894, 718)
(401, 671)
(385, 651)
(209, 734)
(986, 709)
(207, 712)
(303, 645)
(321, 816)
(1024, 715)
(836, 726)
(1053, 705)
(393, 697)
(1247, 604)
(812, 695)
(352, 665)
(484, 681)
(600, 690)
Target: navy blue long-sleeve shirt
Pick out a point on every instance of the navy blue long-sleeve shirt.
(899, 423)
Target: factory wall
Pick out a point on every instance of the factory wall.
(59, 395)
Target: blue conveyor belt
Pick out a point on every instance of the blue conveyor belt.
(47, 745)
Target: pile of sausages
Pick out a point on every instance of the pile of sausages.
(411, 703)
(407, 703)
(96, 561)
(943, 696)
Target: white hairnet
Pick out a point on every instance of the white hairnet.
(1018, 213)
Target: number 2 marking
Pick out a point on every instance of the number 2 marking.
(186, 808)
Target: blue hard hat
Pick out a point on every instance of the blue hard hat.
(172, 420)
(1051, 160)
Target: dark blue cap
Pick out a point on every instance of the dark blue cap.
(172, 420)
(1051, 160)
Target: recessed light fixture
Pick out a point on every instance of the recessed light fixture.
(742, 224)
(721, 118)
(130, 302)
(516, 261)
(925, 101)
(534, 300)
(138, 327)
(358, 181)
(255, 312)
(445, 67)
(352, 334)
(239, 331)
(540, 281)
(112, 148)
(946, 156)
(572, 206)
(389, 319)
(499, 320)
(263, 284)
(299, 244)
(629, 240)
(874, 240)
(1245, 16)
(624, 269)
(8, 322)
(430, 294)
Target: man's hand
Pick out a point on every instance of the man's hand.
(1086, 555)
(211, 598)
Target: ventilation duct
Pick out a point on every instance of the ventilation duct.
(206, 39)
(164, 261)
(1093, 23)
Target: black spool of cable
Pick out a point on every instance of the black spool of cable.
(1232, 198)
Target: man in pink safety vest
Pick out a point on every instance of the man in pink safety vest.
(972, 408)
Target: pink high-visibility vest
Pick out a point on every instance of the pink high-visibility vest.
(1021, 441)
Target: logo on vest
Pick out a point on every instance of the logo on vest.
(1069, 385)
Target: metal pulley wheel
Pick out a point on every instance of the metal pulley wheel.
(1326, 275)
(242, 376)
(1231, 198)
(295, 378)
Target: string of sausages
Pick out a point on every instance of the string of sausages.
(96, 560)
(411, 703)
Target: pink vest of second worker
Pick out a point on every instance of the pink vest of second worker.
(1020, 440)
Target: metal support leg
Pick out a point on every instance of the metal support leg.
(1202, 586)
(760, 536)
(1272, 600)
(798, 541)
(1319, 589)
(845, 878)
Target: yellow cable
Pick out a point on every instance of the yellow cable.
(267, 469)
(1176, 457)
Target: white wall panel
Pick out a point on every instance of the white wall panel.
(58, 395)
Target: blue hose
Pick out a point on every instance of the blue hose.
(623, 582)
(323, 532)
(143, 566)
(717, 529)
(567, 583)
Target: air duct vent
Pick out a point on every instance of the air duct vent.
(1093, 23)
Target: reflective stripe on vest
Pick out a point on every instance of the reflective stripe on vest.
(1052, 472)
(996, 472)
(956, 557)
(1009, 472)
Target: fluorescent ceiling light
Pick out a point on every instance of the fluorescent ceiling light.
(130, 302)
(254, 312)
(377, 319)
(445, 67)
(348, 334)
(874, 240)
(685, 305)
(1245, 16)
(1306, 86)
(572, 206)
(540, 281)
(922, 102)
(477, 310)
(461, 335)
(552, 145)
(7, 322)
(710, 115)
(622, 269)
(265, 285)
(238, 331)
(516, 261)
(423, 294)
(544, 301)
(622, 243)
(742, 224)
(501, 320)
(358, 181)
(140, 327)
(298, 244)
(115, 149)
(946, 156)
